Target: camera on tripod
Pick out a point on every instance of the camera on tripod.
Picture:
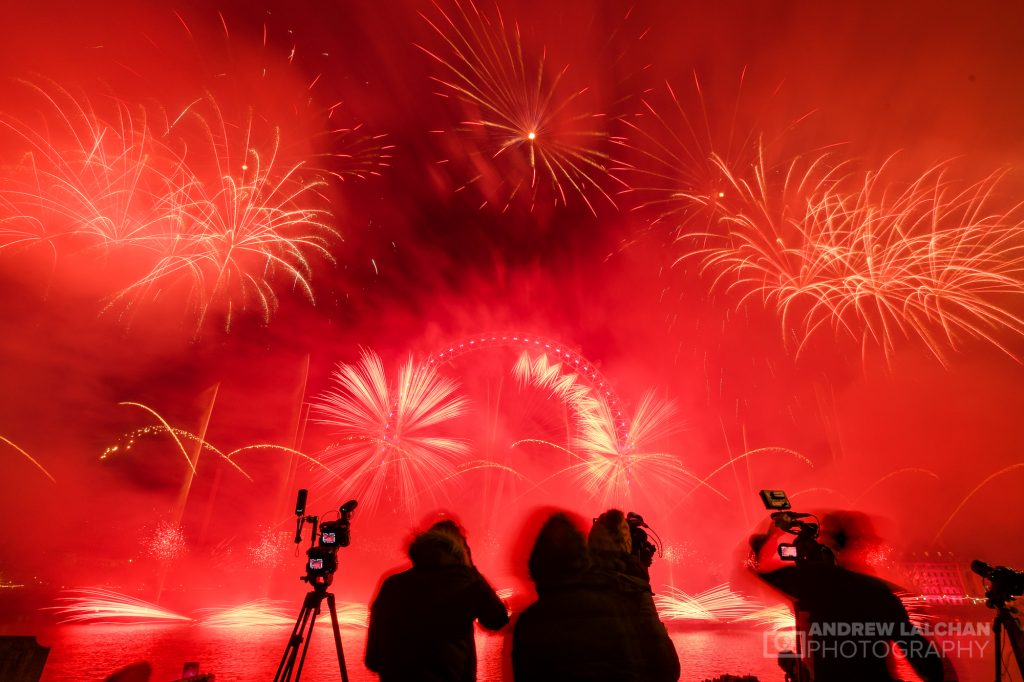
(321, 563)
(1004, 583)
(805, 548)
(322, 558)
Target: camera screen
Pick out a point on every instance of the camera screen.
(787, 552)
(316, 564)
(328, 539)
(774, 499)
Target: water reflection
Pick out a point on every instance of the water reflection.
(90, 652)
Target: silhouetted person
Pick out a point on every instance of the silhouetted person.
(421, 622)
(587, 625)
(610, 546)
(851, 620)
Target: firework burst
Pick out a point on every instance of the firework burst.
(391, 447)
(206, 206)
(930, 260)
(685, 148)
(85, 178)
(627, 471)
(537, 143)
(244, 218)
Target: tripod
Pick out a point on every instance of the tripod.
(1006, 620)
(1004, 585)
(303, 630)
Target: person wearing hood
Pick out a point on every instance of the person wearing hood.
(588, 624)
(421, 622)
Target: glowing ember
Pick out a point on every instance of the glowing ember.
(166, 542)
(271, 549)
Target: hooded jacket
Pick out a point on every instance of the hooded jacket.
(421, 622)
(589, 624)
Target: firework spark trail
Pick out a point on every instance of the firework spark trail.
(471, 467)
(312, 461)
(257, 613)
(271, 613)
(972, 493)
(612, 455)
(99, 180)
(390, 446)
(168, 428)
(534, 128)
(542, 374)
(919, 611)
(778, 617)
(587, 373)
(870, 258)
(29, 458)
(618, 470)
(905, 470)
(357, 156)
(745, 456)
(354, 152)
(675, 162)
(681, 147)
(209, 207)
(242, 217)
(96, 605)
(128, 441)
(716, 604)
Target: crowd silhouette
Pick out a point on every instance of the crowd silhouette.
(594, 617)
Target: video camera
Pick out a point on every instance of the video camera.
(1004, 583)
(643, 548)
(322, 558)
(805, 548)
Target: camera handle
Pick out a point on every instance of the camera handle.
(315, 520)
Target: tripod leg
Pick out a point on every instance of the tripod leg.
(284, 669)
(998, 633)
(337, 637)
(313, 600)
